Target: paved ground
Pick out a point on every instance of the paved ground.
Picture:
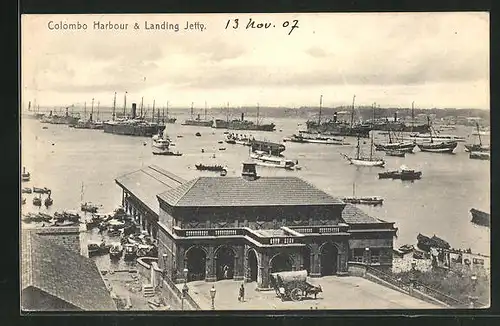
(127, 288)
(338, 293)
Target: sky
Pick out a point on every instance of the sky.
(393, 59)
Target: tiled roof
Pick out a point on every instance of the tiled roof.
(353, 215)
(148, 182)
(236, 191)
(62, 273)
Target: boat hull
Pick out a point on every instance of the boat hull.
(447, 147)
(198, 123)
(480, 217)
(360, 162)
(133, 130)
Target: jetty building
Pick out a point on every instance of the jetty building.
(245, 228)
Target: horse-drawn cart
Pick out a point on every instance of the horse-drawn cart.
(293, 285)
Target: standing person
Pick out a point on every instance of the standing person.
(226, 271)
(241, 296)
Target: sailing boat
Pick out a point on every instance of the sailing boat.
(477, 147)
(87, 206)
(403, 146)
(197, 121)
(445, 146)
(168, 119)
(363, 200)
(360, 160)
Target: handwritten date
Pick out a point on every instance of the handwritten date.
(252, 24)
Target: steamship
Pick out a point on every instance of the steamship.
(243, 124)
(133, 126)
(333, 127)
(65, 119)
(198, 121)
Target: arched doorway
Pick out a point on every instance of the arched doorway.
(281, 263)
(306, 259)
(252, 265)
(329, 255)
(224, 263)
(195, 263)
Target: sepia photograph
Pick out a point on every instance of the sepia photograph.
(238, 162)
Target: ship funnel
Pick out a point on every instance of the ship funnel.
(242, 116)
(134, 110)
(90, 117)
(67, 112)
(335, 117)
(395, 116)
(249, 172)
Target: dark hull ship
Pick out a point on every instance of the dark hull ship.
(439, 147)
(480, 217)
(267, 147)
(403, 174)
(213, 168)
(66, 119)
(333, 127)
(400, 127)
(243, 124)
(485, 156)
(133, 126)
(198, 121)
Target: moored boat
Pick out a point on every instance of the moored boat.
(26, 191)
(215, 168)
(37, 201)
(375, 201)
(404, 173)
(360, 160)
(44, 190)
(25, 176)
(480, 217)
(48, 201)
(395, 152)
(477, 147)
(130, 251)
(116, 250)
(438, 147)
(317, 139)
(264, 159)
(480, 156)
(89, 207)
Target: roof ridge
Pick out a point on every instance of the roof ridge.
(193, 182)
(145, 172)
(128, 173)
(166, 173)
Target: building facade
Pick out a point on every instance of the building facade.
(245, 228)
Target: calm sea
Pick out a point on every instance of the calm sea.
(63, 159)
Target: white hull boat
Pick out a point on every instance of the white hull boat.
(272, 161)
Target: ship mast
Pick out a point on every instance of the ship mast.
(114, 106)
(358, 149)
(158, 116)
(167, 110)
(227, 112)
(431, 131)
(92, 110)
(192, 104)
(352, 110)
(257, 120)
(85, 110)
(479, 134)
(98, 110)
(142, 105)
(124, 104)
(205, 110)
(163, 114)
(153, 117)
(320, 104)
(412, 116)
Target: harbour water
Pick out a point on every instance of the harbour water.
(63, 158)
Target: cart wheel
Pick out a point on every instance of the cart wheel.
(296, 294)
